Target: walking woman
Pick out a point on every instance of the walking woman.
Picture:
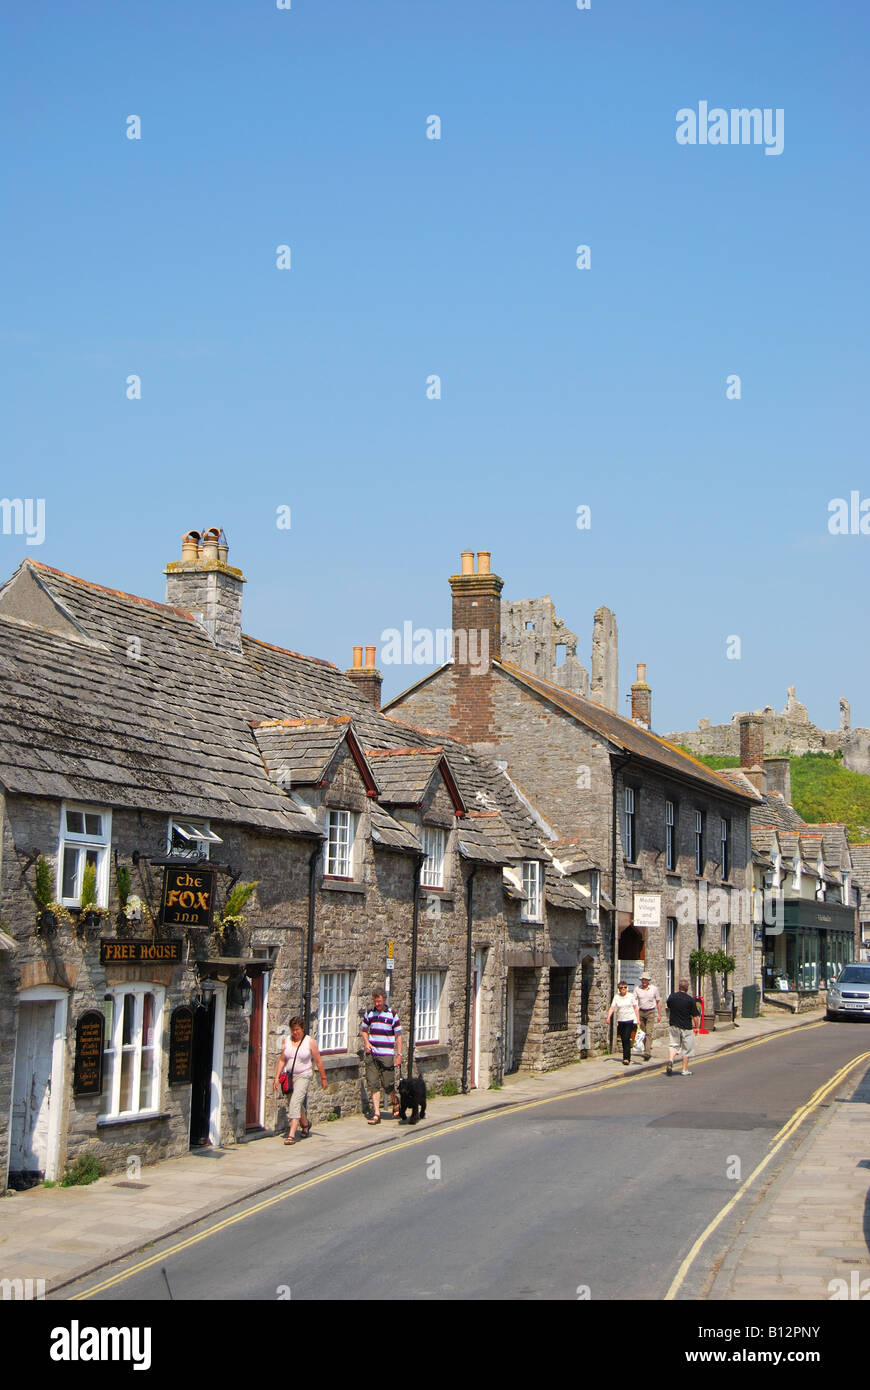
(299, 1054)
(624, 1005)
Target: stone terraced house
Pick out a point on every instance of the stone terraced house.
(665, 840)
(204, 834)
(806, 883)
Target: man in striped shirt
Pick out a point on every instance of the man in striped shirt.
(382, 1038)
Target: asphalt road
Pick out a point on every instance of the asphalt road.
(605, 1191)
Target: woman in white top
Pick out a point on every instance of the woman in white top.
(624, 1005)
(299, 1053)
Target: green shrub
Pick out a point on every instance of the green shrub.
(89, 886)
(83, 1169)
(44, 889)
(123, 885)
(238, 898)
(449, 1087)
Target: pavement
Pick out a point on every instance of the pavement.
(809, 1237)
(61, 1235)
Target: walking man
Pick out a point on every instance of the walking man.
(683, 1017)
(382, 1039)
(649, 1006)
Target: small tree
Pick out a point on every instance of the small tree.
(720, 963)
(699, 965)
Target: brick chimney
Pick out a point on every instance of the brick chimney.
(641, 698)
(203, 583)
(476, 644)
(752, 750)
(367, 679)
(777, 777)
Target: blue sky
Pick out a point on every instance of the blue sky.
(307, 388)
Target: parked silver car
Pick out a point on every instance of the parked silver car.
(849, 995)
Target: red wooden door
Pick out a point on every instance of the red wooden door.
(255, 1055)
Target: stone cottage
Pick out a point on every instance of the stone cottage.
(204, 834)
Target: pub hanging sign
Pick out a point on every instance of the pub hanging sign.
(188, 896)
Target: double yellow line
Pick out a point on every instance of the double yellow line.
(382, 1151)
(788, 1129)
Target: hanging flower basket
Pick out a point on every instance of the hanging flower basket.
(50, 916)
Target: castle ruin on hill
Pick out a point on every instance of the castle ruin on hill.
(791, 731)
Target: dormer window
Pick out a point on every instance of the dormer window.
(532, 889)
(338, 850)
(434, 845)
(191, 839)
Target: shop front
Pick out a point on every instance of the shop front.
(807, 954)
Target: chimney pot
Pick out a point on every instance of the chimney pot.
(641, 671)
(370, 658)
(210, 544)
(190, 545)
(483, 558)
(357, 658)
(467, 562)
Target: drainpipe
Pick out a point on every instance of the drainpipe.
(469, 900)
(415, 928)
(616, 769)
(309, 945)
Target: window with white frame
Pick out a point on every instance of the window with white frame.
(338, 850)
(335, 986)
(593, 911)
(725, 847)
(532, 889)
(434, 845)
(670, 953)
(85, 837)
(132, 1051)
(670, 835)
(429, 986)
(699, 843)
(629, 825)
(190, 839)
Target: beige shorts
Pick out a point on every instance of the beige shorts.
(378, 1076)
(299, 1095)
(682, 1041)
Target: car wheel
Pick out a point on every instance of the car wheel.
(831, 1018)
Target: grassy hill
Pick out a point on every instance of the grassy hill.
(823, 790)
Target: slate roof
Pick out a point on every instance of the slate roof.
(774, 810)
(133, 705)
(486, 837)
(404, 774)
(561, 892)
(134, 714)
(625, 734)
(391, 833)
(298, 752)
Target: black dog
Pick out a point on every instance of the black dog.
(412, 1092)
